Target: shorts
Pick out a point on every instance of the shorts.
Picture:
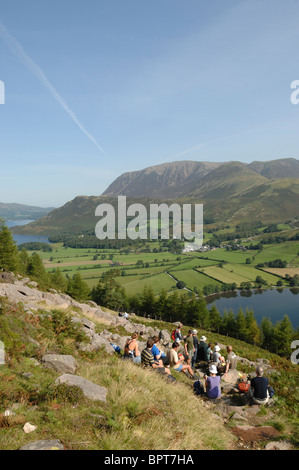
(178, 368)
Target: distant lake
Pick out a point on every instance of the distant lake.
(273, 304)
(25, 238)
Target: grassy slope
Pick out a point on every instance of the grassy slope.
(143, 411)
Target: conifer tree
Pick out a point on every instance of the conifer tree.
(283, 335)
(215, 319)
(8, 250)
(241, 325)
(77, 288)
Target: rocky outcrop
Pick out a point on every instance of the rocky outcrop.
(90, 390)
(49, 444)
(61, 363)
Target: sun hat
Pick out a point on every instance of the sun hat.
(195, 332)
(203, 338)
(213, 369)
(217, 348)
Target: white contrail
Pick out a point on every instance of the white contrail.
(19, 52)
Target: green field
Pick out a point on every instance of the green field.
(196, 270)
(238, 273)
(193, 279)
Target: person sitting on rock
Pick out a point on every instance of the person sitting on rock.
(131, 350)
(258, 390)
(231, 359)
(213, 383)
(176, 363)
(218, 360)
(147, 358)
(158, 354)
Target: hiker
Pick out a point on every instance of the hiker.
(195, 344)
(147, 358)
(189, 347)
(131, 350)
(176, 334)
(202, 354)
(210, 351)
(258, 390)
(158, 354)
(231, 359)
(176, 363)
(213, 383)
(218, 360)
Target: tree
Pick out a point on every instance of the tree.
(36, 270)
(58, 281)
(8, 250)
(253, 334)
(215, 319)
(267, 334)
(283, 335)
(77, 288)
(241, 325)
(23, 262)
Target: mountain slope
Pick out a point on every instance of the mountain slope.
(230, 191)
(281, 168)
(169, 180)
(15, 211)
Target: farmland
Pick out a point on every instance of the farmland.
(163, 269)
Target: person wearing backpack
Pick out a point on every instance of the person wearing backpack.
(131, 350)
(176, 334)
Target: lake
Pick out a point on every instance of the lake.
(25, 238)
(270, 303)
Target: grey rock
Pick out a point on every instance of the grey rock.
(92, 391)
(53, 444)
(238, 417)
(60, 363)
(279, 445)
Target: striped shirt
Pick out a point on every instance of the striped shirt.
(147, 358)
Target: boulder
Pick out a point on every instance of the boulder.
(90, 390)
(165, 336)
(279, 445)
(97, 343)
(49, 444)
(231, 377)
(61, 363)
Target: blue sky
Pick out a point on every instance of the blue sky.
(96, 88)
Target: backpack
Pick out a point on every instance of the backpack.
(271, 392)
(243, 387)
(127, 351)
(173, 335)
(198, 388)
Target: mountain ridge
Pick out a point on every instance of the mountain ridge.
(230, 191)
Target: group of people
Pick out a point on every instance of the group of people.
(194, 350)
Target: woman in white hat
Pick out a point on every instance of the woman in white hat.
(217, 359)
(213, 383)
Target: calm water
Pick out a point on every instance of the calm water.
(25, 238)
(273, 304)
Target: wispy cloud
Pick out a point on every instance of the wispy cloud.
(19, 52)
